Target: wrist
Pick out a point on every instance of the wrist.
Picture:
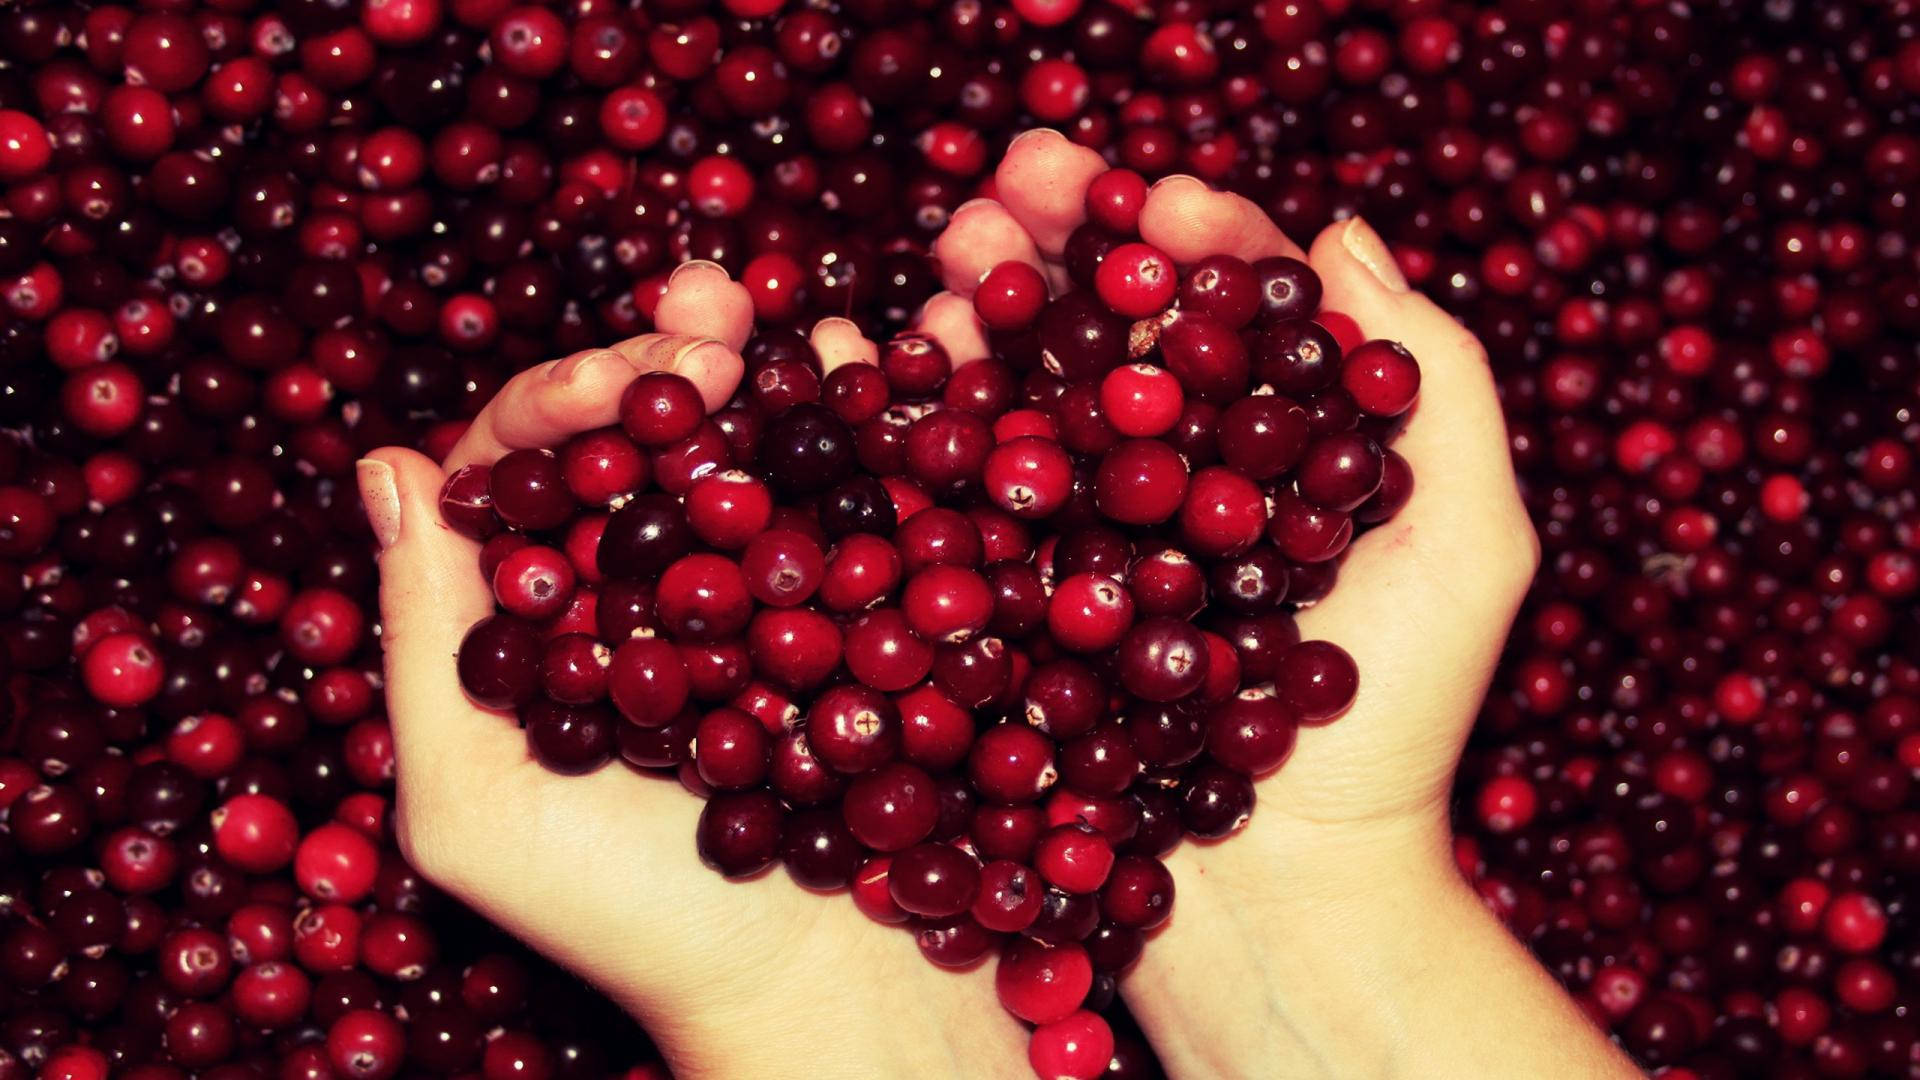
(1285, 957)
(903, 1018)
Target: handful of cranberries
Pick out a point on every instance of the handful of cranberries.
(979, 642)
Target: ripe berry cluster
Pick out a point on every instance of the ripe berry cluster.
(243, 243)
(980, 643)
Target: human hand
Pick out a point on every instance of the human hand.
(599, 872)
(1330, 935)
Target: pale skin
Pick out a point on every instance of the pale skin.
(1332, 937)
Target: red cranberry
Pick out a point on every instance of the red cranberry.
(1042, 983)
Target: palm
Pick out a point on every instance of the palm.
(633, 837)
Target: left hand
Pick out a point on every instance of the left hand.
(755, 978)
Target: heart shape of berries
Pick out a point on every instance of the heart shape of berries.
(980, 644)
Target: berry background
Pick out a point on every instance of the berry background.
(244, 242)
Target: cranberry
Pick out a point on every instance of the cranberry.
(499, 662)
(1382, 377)
(853, 728)
(660, 408)
(1042, 983)
(1251, 732)
(1074, 858)
(1079, 1045)
(255, 833)
(528, 490)
(892, 807)
(569, 739)
(1010, 296)
(933, 880)
(1162, 659)
(1138, 893)
(740, 832)
(1317, 678)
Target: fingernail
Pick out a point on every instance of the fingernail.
(1030, 133)
(380, 498)
(690, 357)
(1165, 180)
(704, 264)
(1371, 252)
(566, 368)
(968, 205)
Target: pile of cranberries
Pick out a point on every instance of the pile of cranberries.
(980, 642)
(242, 243)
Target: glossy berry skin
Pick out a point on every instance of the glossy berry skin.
(366, 1044)
(1162, 659)
(946, 604)
(499, 662)
(1010, 296)
(806, 450)
(1251, 732)
(1115, 199)
(256, 833)
(1029, 477)
(1138, 892)
(647, 681)
(123, 670)
(1140, 482)
(1011, 763)
(739, 833)
(818, 850)
(1089, 613)
(1215, 802)
(933, 880)
(883, 652)
(853, 729)
(1141, 400)
(534, 583)
(1042, 983)
(703, 597)
(529, 490)
(1074, 859)
(1008, 897)
(1078, 1046)
(1341, 471)
(1223, 288)
(1263, 436)
(1318, 679)
(1136, 280)
(1382, 377)
(661, 408)
(1288, 288)
(892, 807)
(569, 739)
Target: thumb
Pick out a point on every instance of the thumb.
(1463, 537)
(431, 593)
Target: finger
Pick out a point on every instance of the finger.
(1465, 511)
(702, 301)
(1043, 181)
(547, 404)
(838, 342)
(980, 236)
(431, 593)
(949, 319)
(1189, 221)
